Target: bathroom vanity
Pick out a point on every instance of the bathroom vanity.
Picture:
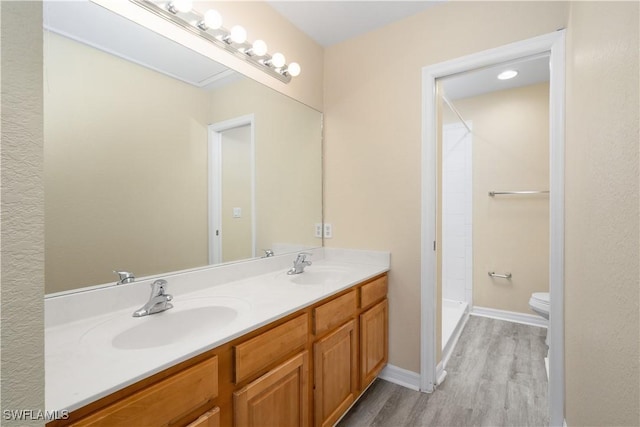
(299, 351)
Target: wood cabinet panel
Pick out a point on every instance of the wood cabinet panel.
(374, 342)
(269, 347)
(373, 291)
(334, 313)
(209, 419)
(278, 398)
(162, 402)
(335, 374)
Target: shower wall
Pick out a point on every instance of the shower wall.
(457, 260)
(510, 233)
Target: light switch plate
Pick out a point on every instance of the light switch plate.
(318, 227)
(237, 212)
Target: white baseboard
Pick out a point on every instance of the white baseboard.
(400, 376)
(510, 316)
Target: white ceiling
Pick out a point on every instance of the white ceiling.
(330, 22)
(93, 25)
(530, 70)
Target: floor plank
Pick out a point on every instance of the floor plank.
(495, 377)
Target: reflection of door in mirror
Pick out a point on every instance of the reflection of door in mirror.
(232, 195)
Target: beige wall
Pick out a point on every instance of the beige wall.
(125, 168)
(21, 211)
(602, 251)
(372, 134)
(288, 167)
(510, 233)
(236, 193)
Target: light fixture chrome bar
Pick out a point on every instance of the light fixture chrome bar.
(498, 193)
(228, 47)
(501, 276)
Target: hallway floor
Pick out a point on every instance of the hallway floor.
(495, 377)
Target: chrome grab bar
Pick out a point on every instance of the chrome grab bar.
(502, 276)
(497, 193)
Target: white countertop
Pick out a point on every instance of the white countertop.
(83, 362)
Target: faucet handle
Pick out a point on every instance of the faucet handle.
(158, 287)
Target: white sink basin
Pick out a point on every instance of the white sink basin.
(171, 326)
(320, 275)
(188, 318)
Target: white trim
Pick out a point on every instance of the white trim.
(510, 316)
(447, 351)
(441, 374)
(215, 183)
(553, 43)
(403, 377)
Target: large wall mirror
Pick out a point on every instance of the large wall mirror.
(158, 159)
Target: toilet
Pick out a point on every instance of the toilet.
(539, 302)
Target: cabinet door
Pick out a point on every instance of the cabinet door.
(335, 373)
(278, 398)
(374, 342)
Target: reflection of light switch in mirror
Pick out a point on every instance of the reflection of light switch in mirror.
(237, 212)
(318, 229)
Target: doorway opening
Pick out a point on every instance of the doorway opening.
(431, 307)
(232, 213)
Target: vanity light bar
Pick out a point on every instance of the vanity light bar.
(233, 40)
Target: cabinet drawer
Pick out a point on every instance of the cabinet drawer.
(162, 402)
(334, 313)
(210, 419)
(269, 347)
(373, 291)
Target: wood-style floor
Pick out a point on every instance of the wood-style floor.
(495, 377)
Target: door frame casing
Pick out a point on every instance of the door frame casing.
(554, 44)
(214, 189)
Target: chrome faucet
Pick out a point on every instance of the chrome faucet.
(125, 277)
(300, 263)
(268, 253)
(158, 301)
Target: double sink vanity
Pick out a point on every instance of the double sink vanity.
(245, 344)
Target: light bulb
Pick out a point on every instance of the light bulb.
(278, 60)
(183, 6)
(212, 19)
(259, 48)
(294, 69)
(508, 74)
(238, 34)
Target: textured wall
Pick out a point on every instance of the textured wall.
(602, 256)
(21, 210)
(372, 134)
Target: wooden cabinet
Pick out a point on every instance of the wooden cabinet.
(336, 374)
(210, 419)
(163, 402)
(267, 348)
(278, 398)
(374, 342)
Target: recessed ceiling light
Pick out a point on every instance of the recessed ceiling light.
(506, 75)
